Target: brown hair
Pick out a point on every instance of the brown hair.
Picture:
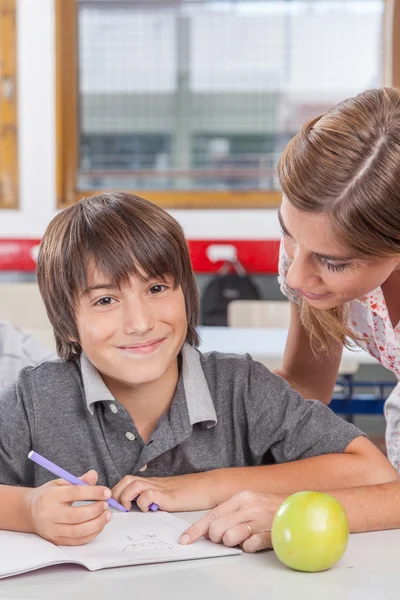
(346, 164)
(124, 235)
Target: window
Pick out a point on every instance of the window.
(192, 102)
(8, 106)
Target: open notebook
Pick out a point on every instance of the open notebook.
(133, 538)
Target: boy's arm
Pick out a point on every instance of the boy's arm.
(360, 464)
(312, 448)
(14, 514)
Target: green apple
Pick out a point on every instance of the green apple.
(310, 531)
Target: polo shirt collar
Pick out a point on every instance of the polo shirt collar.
(198, 398)
(93, 384)
(199, 403)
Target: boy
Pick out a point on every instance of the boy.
(133, 399)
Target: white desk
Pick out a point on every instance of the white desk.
(266, 345)
(368, 571)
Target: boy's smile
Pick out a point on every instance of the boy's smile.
(132, 334)
(143, 348)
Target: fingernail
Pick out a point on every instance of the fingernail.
(107, 493)
(108, 516)
(184, 539)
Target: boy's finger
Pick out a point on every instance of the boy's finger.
(83, 530)
(125, 482)
(162, 499)
(80, 514)
(81, 493)
(90, 477)
(64, 541)
(133, 491)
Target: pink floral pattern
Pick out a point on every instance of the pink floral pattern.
(369, 317)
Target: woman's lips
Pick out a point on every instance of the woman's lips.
(311, 296)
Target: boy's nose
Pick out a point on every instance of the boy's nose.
(138, 318)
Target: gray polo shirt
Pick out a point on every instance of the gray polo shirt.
(228, 411)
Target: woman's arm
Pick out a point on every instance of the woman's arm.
(368, 508)
(314, 377)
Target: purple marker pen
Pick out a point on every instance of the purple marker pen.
(47, 464)
(53, 468)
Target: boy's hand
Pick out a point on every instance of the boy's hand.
(179, 493)
(245, 519)
(55, 519)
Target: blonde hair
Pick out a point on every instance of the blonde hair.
(346, 164)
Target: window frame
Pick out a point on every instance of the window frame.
(9, 192)
(67, 136)
(67, 117)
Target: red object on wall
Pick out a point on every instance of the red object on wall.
(208, 256)
(256, 256)
(18, 255)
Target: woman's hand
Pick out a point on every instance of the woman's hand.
(245, 519)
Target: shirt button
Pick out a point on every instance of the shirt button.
(130, 436)
(113, 408)
(142, 469)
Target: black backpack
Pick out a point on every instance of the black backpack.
(221, 290)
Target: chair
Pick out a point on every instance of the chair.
(258, 313)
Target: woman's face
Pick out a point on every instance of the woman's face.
(326, 273)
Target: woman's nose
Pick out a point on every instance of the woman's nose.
(300, 274)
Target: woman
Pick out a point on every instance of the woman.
(340, 269)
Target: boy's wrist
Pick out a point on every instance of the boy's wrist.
(26, 510)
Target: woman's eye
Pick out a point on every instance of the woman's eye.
(156, 289)
(335, 268)
(106, 301)
(284, 232)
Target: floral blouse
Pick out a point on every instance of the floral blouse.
(369, 317)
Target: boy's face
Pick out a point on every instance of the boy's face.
(132, 335)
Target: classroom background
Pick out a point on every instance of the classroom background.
(188, 103)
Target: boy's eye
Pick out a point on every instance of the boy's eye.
(156, 289)
(106, 301)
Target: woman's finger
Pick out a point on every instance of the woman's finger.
(257, 542)
(203, 525)
(233, 536)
